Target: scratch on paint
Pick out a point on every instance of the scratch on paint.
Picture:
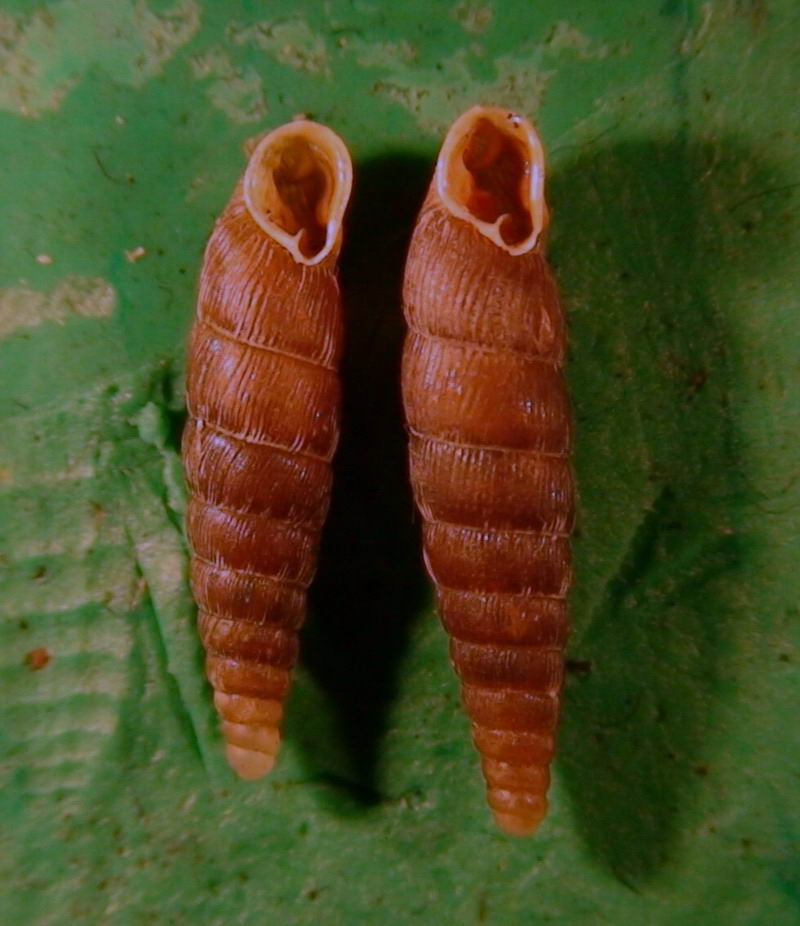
(44, 55)
(696, 37)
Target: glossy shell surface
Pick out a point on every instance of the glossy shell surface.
(490, 438)
(263, 398)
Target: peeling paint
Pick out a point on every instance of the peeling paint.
(87, 297)
(73, 473)
(45, 54)
(377, 54)
(474, 17)
(291, 42)
(236, 91)
(436, 96)
(566, 37)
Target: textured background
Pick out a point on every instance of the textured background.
(672, 132)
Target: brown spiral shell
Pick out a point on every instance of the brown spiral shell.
(490, 436)
(263, 398)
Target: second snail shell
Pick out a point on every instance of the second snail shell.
(490, 432)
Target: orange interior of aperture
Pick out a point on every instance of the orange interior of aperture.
(491, 179)
(302, 188)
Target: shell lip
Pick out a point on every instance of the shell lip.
(337, 158)
(520, 128)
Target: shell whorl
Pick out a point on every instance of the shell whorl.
(263, 398)
(490, 437)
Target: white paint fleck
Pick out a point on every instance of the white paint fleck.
(135, 254)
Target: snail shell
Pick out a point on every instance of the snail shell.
(263, 397)
(490, 437)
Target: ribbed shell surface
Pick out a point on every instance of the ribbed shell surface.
(263, 398)
(490, 435)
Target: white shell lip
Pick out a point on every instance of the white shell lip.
(518, 126)
(337, 157)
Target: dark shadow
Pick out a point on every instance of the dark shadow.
(371, 582)
(641, 237)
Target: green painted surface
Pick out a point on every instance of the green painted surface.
(672, 130)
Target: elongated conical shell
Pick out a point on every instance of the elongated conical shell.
(490, 435)
(263, 397)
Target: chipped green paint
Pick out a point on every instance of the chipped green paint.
(238, 92)
(673, 184)
(292, 42)
(382, 54)
(43, 56)
(474, 17)
(436, 95)
(89, 297)
(567, 38)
